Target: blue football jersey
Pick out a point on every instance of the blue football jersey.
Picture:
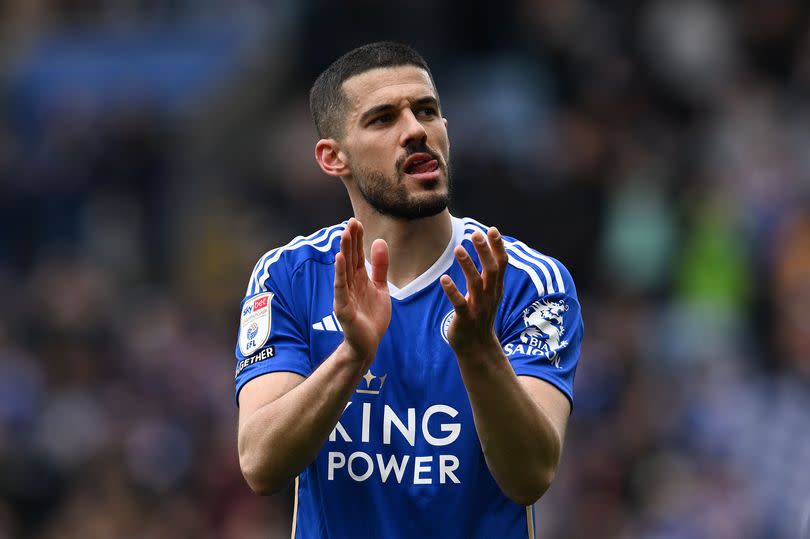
(404, 459)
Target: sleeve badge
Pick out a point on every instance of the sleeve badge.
(254, 326)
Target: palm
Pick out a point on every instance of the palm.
(475, 312)
(365, 313)
(362, 302)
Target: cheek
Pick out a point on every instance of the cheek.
(375, 151)
(442, 140)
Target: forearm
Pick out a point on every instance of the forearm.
(282, 437)
(520, 442)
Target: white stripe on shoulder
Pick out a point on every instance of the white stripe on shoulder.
(260, 274)
(469, 222)
(512, 247)
(518, 263)
(528, 253)
(253, 284)
(531, 253)
(249, 292)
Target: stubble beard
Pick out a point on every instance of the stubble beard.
(389, 196)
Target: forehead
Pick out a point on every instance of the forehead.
(387, 85)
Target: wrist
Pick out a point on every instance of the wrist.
(352, 357)
(481, 349)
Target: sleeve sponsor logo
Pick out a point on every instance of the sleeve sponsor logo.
(267, 353)
(254, 326)
(544, 331)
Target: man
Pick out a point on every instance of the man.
(424, 391)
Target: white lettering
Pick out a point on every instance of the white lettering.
(453, 428)
(447, 464)
(529, 349)
(366, 422)
(369, 466)
(418, 468)
(339, 428)
(399, 468)
(398, 464)
(409, 432)
(336, 460)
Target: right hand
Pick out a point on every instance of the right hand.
(362, 304)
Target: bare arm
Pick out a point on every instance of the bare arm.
(520, 421)
(285, 418)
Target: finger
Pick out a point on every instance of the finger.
(379, 263)
(346, 251)
(341, 288)
(474, 281)
(360, 255)
(454, 295)
(351, 256)
(501, 256)
(498, 246)
(490, 267)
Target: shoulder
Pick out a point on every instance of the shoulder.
(547, 274)
(320, 247)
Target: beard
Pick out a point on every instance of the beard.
(389, 196)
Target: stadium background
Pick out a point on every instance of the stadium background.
(151, 150)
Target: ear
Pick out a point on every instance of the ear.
(329, 157)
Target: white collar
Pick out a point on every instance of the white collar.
(435, 271)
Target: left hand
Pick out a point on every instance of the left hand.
(473, 323)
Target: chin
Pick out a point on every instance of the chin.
(428, 206)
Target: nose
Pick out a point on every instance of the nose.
(413, 130)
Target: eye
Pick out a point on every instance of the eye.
(428, 112)
(382, 119)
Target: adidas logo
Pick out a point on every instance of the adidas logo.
(329, 323)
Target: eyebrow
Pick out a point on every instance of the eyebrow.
(373, 111)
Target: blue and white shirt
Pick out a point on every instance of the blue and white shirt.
(404, 459)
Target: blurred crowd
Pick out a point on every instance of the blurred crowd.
(152, 150)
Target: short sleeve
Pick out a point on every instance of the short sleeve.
(541, 333)
(270, 337)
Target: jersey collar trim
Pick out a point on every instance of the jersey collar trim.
(435, 271)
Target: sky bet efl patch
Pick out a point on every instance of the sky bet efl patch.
(254, 328)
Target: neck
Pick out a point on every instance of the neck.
(413, 246)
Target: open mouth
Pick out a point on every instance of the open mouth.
(421, 166)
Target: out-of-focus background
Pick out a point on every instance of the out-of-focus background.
(152, 150)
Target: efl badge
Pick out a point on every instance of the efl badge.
(254, 328)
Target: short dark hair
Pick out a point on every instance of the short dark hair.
(327, 102)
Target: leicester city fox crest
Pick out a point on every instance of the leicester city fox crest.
(544, 326)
